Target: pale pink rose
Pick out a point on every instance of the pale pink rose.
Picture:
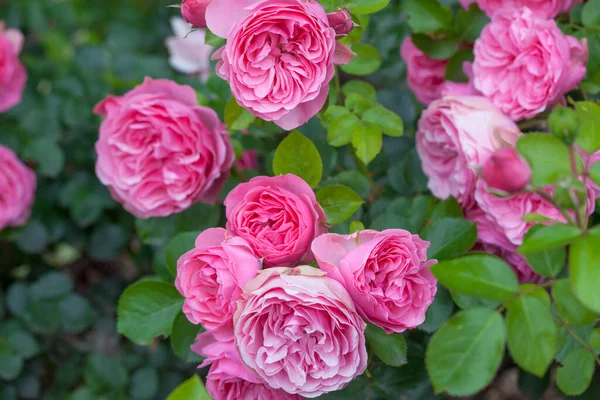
(194, 12)
(456, 136)
(278, 216)
(300, 332)
(543, 8)
(524, 63)
(17, 189)
(188, 52)
(279, 56)
(450, 88)
(228, 378)
(159, 152)
(12, 73)
(425, 75)
(386, 273)
(506, 170)
(211, 276)
(518, 263)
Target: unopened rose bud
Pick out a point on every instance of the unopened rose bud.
(505, 170)
(194, 12)
(341, 21)
(564, 124)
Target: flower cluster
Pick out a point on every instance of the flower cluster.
(278, 329)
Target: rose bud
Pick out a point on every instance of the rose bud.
(341, 22)
(505, 170)
(194, 12)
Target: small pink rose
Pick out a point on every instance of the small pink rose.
(159, 152)
(278, 216)
(425, 75)
(194, 12)
(543, 8)
(17, 189)
(211, 276)
(12, 73)
(188, 52)
(300, 332)
(506, 170)
(386, 273)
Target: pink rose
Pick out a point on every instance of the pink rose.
(248, 160)
(194, 12)
(425, 75)
(278, 216)
(279, 56)
(341, 21)
(188, 52)
(544, 8)
(228, 378)
(517, 262)
(211, 277)
(386, 273)
(524, 63)
(17, 189)
(12, 73)
(159, 152)
(299, 331)
(455, 136)
(506, 170)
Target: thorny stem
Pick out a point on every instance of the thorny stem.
(546, 284)
(576, 337)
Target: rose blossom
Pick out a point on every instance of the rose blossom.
(386, 273)
(17, 189)
(455, 135)
(194, 12)
(543, 8)
(279, 56)
(12, 73)
(228, 378)
(518, 263)
(507, 171)
(299, 331)
(159, 152)
(188, 51)
(278, 216)
(524, 63)
(248, 160)
(211, 277)
(425, 75)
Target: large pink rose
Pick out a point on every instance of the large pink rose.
(455, 136)
(211, 277)
(516, 261)
(278, 216)
(544, 8)
(17, 189)
(425, 75)
(228, 378)
(12, 73)
(279, 56)
(524, 63)
(386, 273)
(299, 331)
(159, 152)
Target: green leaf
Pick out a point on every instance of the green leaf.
(192, 389)
(356, 226)
(548, 263)
(107, 241)
(595, 173)
(532, 334)
(297, 155)
(180, 244)
(576, 372)
(391, 349)
(144, 384)
(465, 353)
(389, 122)
(366, 61)
(585, 279)
(594, 339)
(357, 103)
(17, 298)
(362, 88)
(465, 302)
(534, 290)
(339, 202)
(439, 49)
(454, 69)
(367, 142)
(469, 24)
(11, 364)
(448, 208)
(104, 374)
(439, 311)
(49, 156)
(213, 40)
(332, 113)
(548, 237)
(478, 274)
(76, 313)
(43, 316)
(237, 117)
(147, 309)
(590, 16)
(183, 335)
(342, 128)
(588, 137)
(449, 237)
(50, 286)
(569, 308)
(547, 156)
(427, 16)
(368, 6)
